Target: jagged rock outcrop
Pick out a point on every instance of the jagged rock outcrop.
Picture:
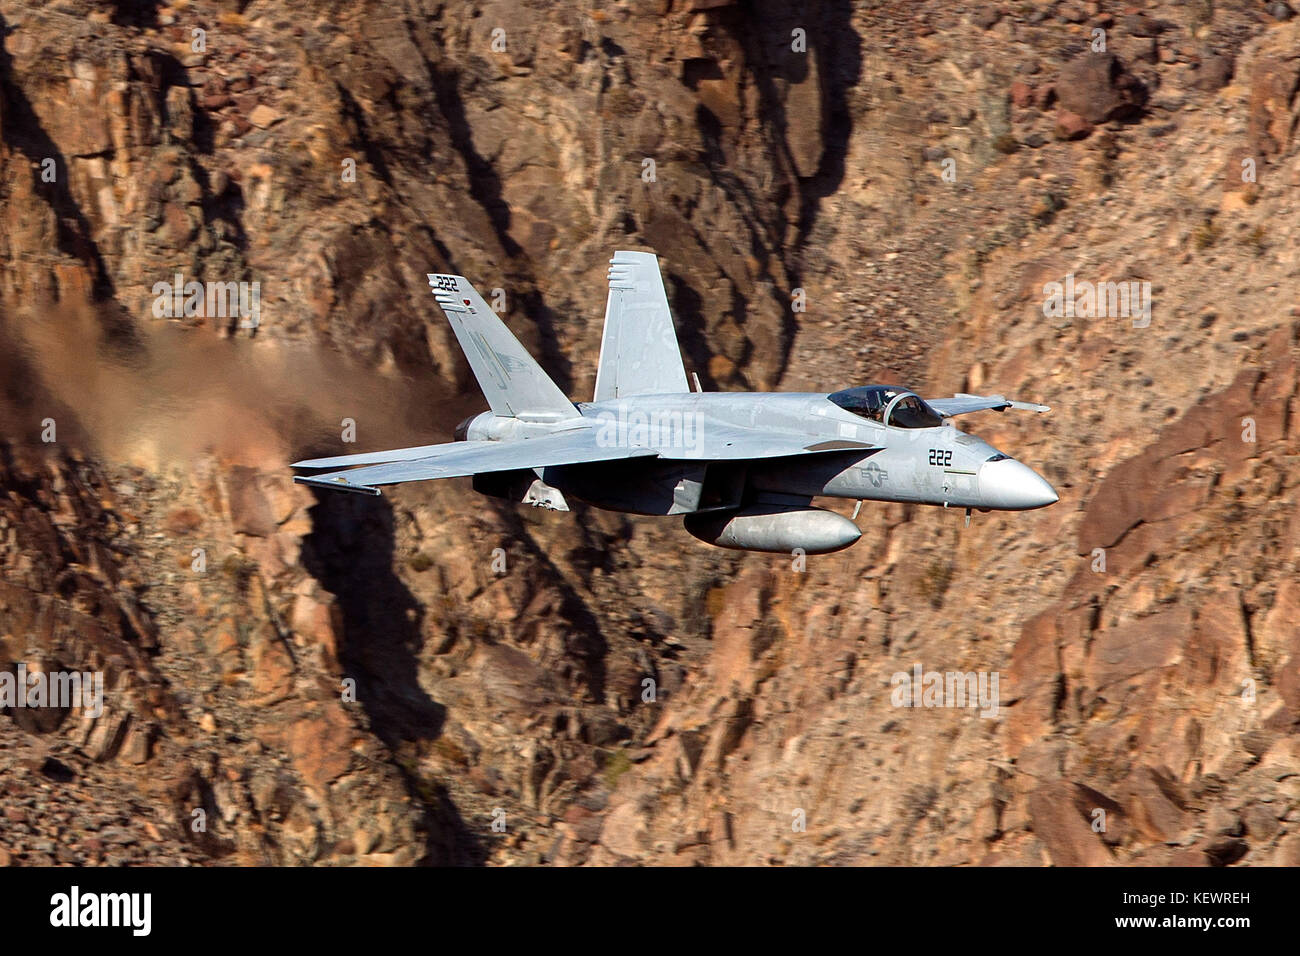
(327, 680)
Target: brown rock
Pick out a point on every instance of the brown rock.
(180, 115)
(107, 736)
(183, 521)
(272, 670)
(316, 622)
(1032, 683)
(1022, 94)
(1065, 827)
(1215, 72)
(223, 646)
(319, 744)
(1156, 806)
(1270, 124)
(804, 134)
(510, 677)
(1096, 87)
(1288, 851)
(250, 511)
(1130, 649)
(1237, 170)
(139, 743)
(263, 116)
(584, 823)
(1071, 125)
(624, 831)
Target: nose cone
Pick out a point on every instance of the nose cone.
(1009, 485)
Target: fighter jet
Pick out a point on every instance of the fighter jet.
(741, 467)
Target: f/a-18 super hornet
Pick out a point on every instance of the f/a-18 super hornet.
(742, 467)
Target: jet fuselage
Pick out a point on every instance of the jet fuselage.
(938, 465)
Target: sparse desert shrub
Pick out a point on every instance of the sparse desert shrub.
(1206, 234)
(934, 582)
(618, 764)
(1006, 143)
(1254, 240)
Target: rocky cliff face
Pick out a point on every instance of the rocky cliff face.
(293, 679)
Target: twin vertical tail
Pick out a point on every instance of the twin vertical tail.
(639, 354)
(513, 383)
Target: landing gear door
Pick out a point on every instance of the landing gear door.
(724, 485)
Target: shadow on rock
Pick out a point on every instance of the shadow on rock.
(351, 551)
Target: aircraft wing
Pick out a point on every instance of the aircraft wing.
(961, 403)
(383, 457)
(716, 442)
(461, 458)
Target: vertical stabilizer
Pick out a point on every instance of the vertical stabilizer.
(639, 354)
(513, 383)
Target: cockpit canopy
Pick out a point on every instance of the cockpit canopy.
(888, 405)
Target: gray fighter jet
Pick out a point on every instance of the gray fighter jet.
(742, 467)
